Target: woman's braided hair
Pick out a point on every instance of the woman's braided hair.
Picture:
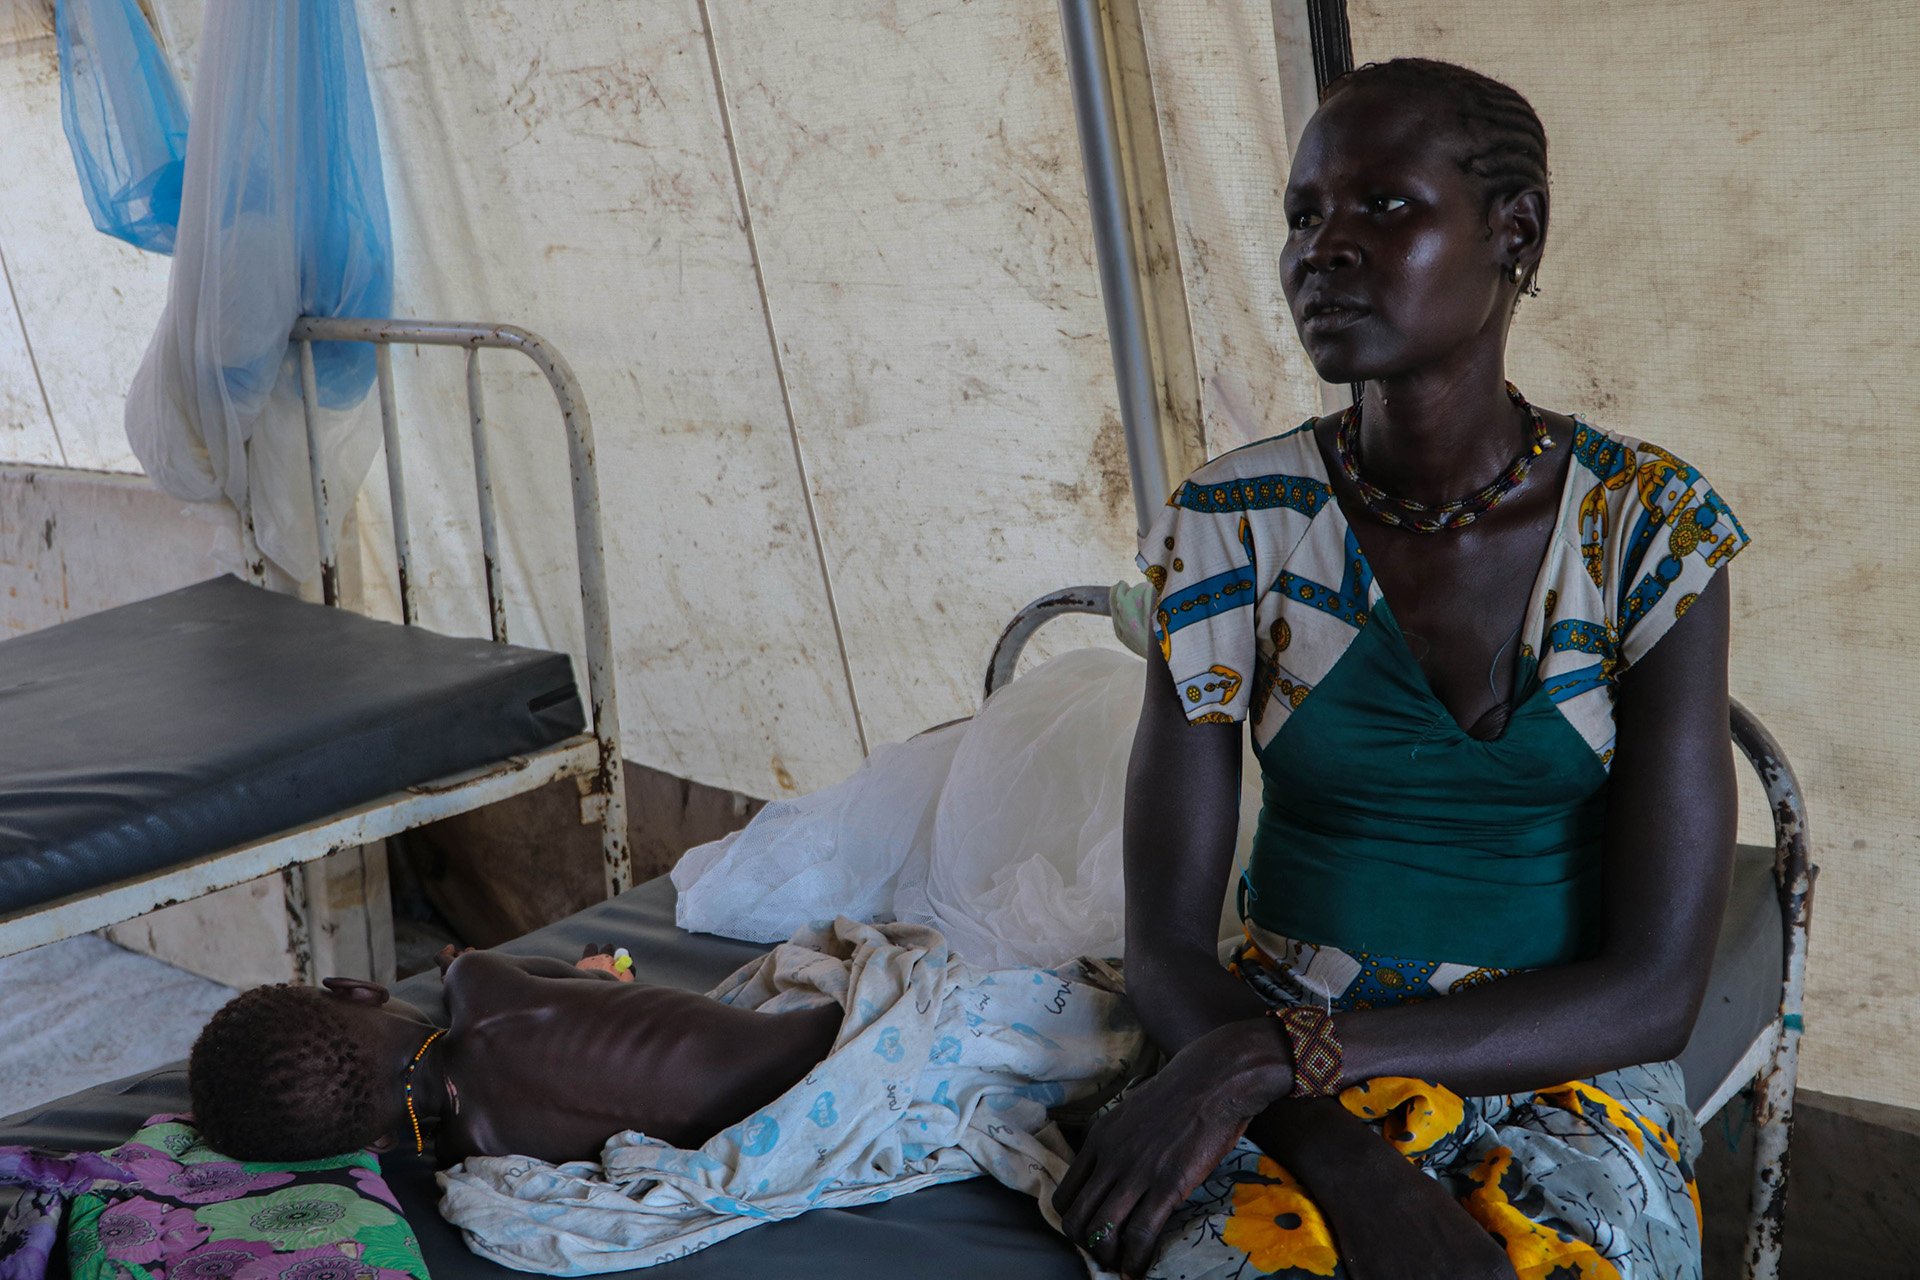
(1505, 144)
(277, 1075)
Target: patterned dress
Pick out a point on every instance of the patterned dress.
(1398, 858)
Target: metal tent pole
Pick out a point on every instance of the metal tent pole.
(1093, 108)
(1332, 41)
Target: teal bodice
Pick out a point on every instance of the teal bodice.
(1386, 828)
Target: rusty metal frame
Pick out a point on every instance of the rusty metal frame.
(1332, 41)
(1773, 1089)
(286, 851)
(604, 798)
(1012, 641)
(592, 757)
(1770, 1065)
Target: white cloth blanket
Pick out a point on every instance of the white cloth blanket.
(941, 1071)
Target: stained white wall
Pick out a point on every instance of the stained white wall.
(1221, 86)
(76, 307)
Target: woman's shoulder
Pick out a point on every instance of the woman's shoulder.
(1621, 461)
(1651, 530)
(1644, 485)
(1282, 470)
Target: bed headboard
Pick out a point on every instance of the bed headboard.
(605, 793)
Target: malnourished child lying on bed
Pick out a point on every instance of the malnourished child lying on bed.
(852, 1064)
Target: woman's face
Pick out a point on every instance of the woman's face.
(1393, 264)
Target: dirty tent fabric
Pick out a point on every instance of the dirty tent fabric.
(283, 213)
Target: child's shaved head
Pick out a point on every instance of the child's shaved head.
(279, 1075)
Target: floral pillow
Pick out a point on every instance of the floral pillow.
(189, 1213)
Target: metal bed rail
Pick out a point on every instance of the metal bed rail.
(1793, 877)
(289, 851)
(604, 799)
(1770, 1065)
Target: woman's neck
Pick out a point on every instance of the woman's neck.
(1439, 435)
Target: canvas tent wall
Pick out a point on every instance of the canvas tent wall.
(827, 272)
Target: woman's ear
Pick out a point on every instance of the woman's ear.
(358, 990)
(1519, 225)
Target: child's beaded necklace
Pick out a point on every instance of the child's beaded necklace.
(419, 1143)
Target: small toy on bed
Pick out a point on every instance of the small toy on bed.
(606, 958)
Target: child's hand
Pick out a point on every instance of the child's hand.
(606, 960)
(447, 955)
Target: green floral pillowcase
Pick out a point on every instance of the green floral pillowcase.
(189, 1213)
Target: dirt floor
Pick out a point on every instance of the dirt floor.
(1853, 1202)
(81, 1012)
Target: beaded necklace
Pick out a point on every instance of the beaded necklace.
(1437, 518)
(419, 1143)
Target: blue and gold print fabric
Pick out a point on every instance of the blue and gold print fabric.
(1261, 586)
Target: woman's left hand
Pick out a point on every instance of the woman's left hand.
(1144, 1157)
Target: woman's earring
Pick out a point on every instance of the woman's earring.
(1516, 272)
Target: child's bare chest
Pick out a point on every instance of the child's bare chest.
(556, 1081)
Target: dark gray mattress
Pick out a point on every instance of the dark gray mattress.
(163, 731)
(1743, 995)
(962, 1230)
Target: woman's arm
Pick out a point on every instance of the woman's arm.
(1181, 818)
(1229, 1062)
(1668, 861)
(1667, 864)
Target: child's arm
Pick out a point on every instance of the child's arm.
(537, 966)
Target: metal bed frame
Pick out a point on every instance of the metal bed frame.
(1770, 1064)
(592, 757)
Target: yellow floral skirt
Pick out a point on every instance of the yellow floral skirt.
(1588, 1180)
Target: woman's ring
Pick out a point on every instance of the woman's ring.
(1100, 1233)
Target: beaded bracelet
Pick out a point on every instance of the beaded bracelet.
(1316, 1051)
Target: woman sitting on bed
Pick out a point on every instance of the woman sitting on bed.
(1482, 650)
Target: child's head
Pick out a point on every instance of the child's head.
(285, 1073)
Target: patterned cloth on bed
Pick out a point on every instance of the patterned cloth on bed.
(164, 1206)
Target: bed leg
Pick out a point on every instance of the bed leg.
(1773, 1131)
(293, 888)
(616, 856)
